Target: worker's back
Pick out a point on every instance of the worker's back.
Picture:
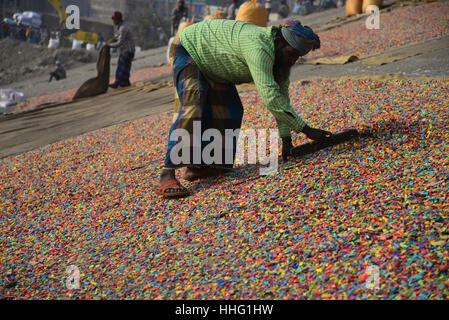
(224, 48)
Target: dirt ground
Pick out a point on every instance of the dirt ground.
(33, 86)
(21, 60)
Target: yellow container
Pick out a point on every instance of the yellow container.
(367, 3)
(253, 12)
(353, 7)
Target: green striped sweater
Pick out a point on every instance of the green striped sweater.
(229, 51)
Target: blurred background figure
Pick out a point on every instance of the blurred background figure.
(268, 8)
(22, 34)
(283, 10)
(100, 42)
(303, 7)
(326, 4)
(179, 12)
(4, 29)
(124, 42)
(45, 36)
(231, 13)
(59, 73)
(162, 38)
(13, 31)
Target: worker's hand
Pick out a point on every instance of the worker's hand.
(111, 41)
(286, 147)
(317, 135)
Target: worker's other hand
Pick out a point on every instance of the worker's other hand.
(286, 147)
(317, 135)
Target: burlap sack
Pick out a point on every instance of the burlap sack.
(253, 12)
(100, 83)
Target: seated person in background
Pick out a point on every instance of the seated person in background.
(59, 73)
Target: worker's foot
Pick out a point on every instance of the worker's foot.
(169, 186)
(172, 189)
(113, 86)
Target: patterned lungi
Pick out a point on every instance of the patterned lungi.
(124, 69)
(213, 105)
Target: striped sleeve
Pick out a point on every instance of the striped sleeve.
(284, 129)
(275, 98)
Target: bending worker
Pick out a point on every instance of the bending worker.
(124, 41)
(209, 59)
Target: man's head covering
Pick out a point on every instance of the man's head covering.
(117, 15)
(58, 63)
(300, 37)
